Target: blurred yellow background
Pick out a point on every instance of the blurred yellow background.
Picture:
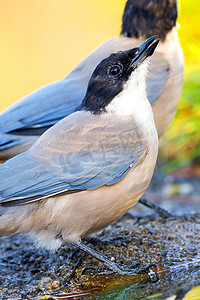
(41, 41)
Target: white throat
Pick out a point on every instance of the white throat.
(133, 96)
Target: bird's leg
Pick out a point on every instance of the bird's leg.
(159, 210)
(106, 261)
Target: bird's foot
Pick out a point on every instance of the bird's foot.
(149, 272)
(120, 270)
(131, 270)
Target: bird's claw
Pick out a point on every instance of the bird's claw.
(131, 270)
(150, 271)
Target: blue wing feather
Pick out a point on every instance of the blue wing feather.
(39, 110)
(26, 176)
(44, 107)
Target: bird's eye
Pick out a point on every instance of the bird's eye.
(115, 70)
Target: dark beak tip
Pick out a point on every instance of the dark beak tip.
(144, 50)
(154, 37)
(153, 47)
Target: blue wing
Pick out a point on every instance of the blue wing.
(44, 171)
(38, 111)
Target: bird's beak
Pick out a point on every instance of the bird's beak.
(143, 51)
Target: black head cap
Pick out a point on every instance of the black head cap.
(143, 18)
(109, 77)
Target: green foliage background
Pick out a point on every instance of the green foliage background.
(181, 142)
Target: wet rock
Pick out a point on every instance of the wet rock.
(171, 245)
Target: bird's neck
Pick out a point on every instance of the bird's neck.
(144, 18)
(128, 102)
